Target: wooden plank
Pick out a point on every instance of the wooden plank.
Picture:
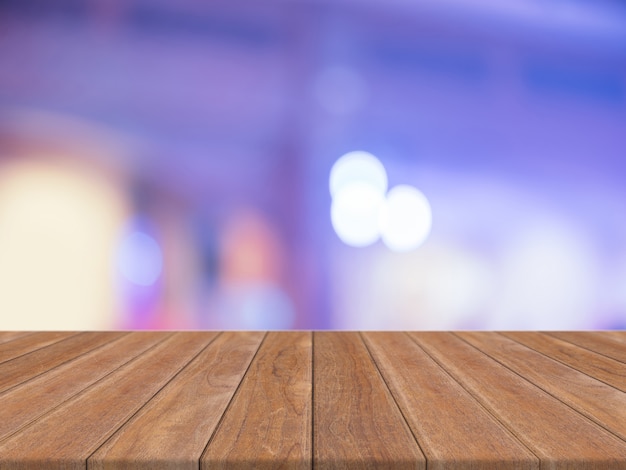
(64, 438)
(173, 429)
(619, 336)
(30, 365)
(52, 388)
(453, 430)
(593, 364)
(601, 344)
(11, 335)
(357, 424)
(559, 436)
(468, 400)
(30, 343)
(268, 424)
(600, 402)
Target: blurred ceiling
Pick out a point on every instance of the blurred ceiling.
(240, 80)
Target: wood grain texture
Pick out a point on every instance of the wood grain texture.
(173, 429)
(59, 384)
(11, 335)
(65, 437)
(619, 336)
(357, 424)
(324, 400)
(599, 343)
(558, 435)
(29, 343)
(598, 401)
(454, 431)
(268, 423)
(596, 365)
(40, 360)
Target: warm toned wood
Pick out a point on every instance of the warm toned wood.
(65, 437)
(29, 365)
(600, 402)
(454, 431)
(29, 343)
(52, 388)
(357, 424)
(593, 364)
(172, 430)
(40, 360)
(11, 335)
(619, 336)
(599, 343)
(558, 435)
(296, 400)
(268, 423)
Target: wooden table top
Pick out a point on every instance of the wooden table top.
(301, 399)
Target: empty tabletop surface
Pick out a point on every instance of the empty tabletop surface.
(312, 399)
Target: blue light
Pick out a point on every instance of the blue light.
(140, 260)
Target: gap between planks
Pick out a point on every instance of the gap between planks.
(399, 403)
(613, 399)
(555, 432)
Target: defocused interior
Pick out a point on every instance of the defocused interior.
(178, 164)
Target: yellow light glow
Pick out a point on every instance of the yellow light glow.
(58, 230)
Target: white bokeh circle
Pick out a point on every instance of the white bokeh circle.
(405, 219)
(355, 213)
(358, 167)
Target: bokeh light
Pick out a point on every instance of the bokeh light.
(173, 165)
(439, 286)
(256, 306)
(405, 219)
(358, 167)
(58, 229)
(140, 260)
(355, 212)
(549, 276)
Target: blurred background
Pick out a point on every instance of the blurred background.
(191, 165)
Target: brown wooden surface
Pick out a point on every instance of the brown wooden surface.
(598, 401)
(268, 422)
(449, 424)
(38, 361)
(61, 383)
(11, 335)
(195, 399)
(595, 365)
(604, 344)
(356, 422)
(345, 400)
(555, 433)
(65, 437)
(28, 343)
